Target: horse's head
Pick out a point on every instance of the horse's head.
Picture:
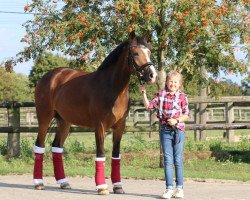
(139, 59)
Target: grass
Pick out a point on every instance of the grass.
(140, 157)
(212, 169)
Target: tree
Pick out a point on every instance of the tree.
(246, 85)
(43, 64)
(226, 88)
(186, 34)
(14, 87)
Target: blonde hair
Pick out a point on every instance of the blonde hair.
(175, 73)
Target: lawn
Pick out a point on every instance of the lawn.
(140, 157)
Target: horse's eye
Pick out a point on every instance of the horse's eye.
(135, 54)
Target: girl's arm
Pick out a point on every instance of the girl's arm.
(144, 97)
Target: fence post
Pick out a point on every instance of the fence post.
(229, 119)
(203, 120)
(135, 118)
(13, 143)
(196, 121)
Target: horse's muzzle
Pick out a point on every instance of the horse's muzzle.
(150, 75)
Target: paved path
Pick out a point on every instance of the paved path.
(20, 187)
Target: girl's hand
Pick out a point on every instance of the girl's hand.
(142, 89)
(172, 121)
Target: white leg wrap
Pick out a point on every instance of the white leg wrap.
(100, 159)
(64, 180)
(103, 186)
(117, 184)
(39, 149)
(37, 181)
(119, 158)
(57, 150)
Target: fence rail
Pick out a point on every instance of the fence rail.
(139, 120)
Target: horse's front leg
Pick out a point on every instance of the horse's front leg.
(101, 185)
(116, 158)
(57, 151)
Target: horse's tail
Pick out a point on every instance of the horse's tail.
(51, 127)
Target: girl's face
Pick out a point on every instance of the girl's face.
(173, 83)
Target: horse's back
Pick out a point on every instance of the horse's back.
(51, 81)
(59, 76)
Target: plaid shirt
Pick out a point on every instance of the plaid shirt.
(170, 106)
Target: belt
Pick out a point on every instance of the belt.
(177, 138)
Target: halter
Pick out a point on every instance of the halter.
(138, 69)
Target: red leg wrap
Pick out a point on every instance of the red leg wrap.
(99, 173)
(115, 171)
(58, 166)
(38, 166)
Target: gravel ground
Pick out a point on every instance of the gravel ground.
(20, 187)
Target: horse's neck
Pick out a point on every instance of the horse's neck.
(118, 75)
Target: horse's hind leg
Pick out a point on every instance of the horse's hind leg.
(116, 158)
(44, 120)
(57, 150)
(101, 186)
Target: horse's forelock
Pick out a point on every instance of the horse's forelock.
(142, 41)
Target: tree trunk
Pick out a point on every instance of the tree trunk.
(203, 106)
(161, 85)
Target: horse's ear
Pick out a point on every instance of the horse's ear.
(148, 37)
(132, 35)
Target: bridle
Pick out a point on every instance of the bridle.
(138, 69)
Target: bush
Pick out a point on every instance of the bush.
(26, 148)
(3, 148)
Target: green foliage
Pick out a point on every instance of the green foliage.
(43, 64)
(216, 146)
(134, 89)
(14, 87)
(246, 85)
(215, 88)
(191, 145)
(225, 88)
(26, 149)
(191, 85)
(187, 34)
(139, 144)
(3, 147)
(76, 146)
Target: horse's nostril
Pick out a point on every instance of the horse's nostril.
(151, 75)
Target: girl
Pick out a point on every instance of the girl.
(172, 106)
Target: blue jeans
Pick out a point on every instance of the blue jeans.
(172, 142)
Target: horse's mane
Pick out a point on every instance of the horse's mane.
(114, 55)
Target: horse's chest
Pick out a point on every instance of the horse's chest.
(119, 110)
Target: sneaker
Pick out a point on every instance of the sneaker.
(179, 193)
(168, 194)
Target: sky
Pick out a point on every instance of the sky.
(12, 31)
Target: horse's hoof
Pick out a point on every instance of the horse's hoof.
(65, 186)
(39, 186)
(118, 190)
(103, 191)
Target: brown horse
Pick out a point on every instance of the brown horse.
(99, 100)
